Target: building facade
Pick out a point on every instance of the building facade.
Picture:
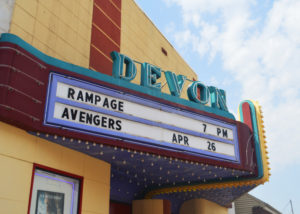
(248, 204)
(100, 114)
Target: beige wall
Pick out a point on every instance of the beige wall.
(148, 206)
(202, 206)
(142, 41)
(19, 150)
(61, 29)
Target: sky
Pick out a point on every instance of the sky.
(251, 49)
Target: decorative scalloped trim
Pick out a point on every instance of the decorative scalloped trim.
(263, 142)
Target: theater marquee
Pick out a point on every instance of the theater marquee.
(82, 106)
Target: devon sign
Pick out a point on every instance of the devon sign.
(82, 106)
(197, 91)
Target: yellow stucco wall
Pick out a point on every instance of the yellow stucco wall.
(19, 150)
(142, 41)
(61, 29)
(202, 206)
(148, 206)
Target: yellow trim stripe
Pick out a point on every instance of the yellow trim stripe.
(92, 68)
(263, 143)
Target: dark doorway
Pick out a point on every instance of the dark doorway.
(119, 208)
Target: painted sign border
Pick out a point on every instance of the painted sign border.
(54, 78)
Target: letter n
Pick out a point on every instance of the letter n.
(218, 98)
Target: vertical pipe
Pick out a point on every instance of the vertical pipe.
(292, 207)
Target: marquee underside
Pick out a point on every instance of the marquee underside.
(134, 174)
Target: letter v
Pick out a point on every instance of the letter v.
(175, 83)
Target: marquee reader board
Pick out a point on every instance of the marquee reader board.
(93, 109)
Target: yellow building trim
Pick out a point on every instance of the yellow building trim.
(263, 142)
(148, 206)
(48, 25)
(143, 42)
(21, 150)
(196, 206)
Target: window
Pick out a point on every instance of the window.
(54, 192)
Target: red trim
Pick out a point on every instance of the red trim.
(103, 43)
(31, 186)
(117, 3)
(80, 196)
(247, 115)
(64, 173)
(106, 35)
(198, 90)
(99, 62)
(116, 207)
(110, 10)
(164, 51)
(60, 172)
(199, 93)
(166, 207)
(244, 133)
(106, 25)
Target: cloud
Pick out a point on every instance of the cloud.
(259, 43)
(6, 9)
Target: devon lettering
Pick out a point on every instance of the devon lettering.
(197, 91)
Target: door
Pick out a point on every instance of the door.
(119, 208)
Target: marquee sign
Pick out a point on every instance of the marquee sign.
(82, 106)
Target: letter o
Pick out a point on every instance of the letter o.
(193, 92)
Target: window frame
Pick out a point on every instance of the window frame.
(61, 173)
